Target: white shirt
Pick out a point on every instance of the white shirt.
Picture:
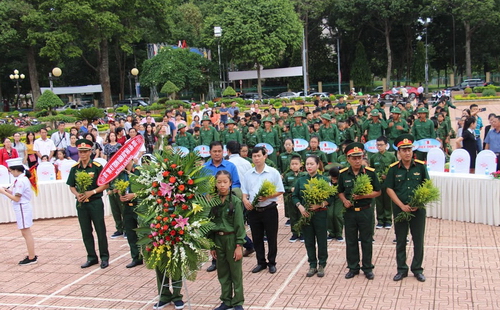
(22, 186)
(61, 140)
(252, 181)
(200, 115)
(44, 147)
(242, 165)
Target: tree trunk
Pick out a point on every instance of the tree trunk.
(121, 63)
(259, 82)
(306, 42)
(104, 73)
(468, 38)
(389, 52)
(33, 74)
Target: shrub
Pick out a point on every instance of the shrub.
(489, 92)
(175, 103)
(48, 100)
(7, 130)
(229, 91)
(467, 90)
(478, 89)
(89, 113)
(34, 128)
(58, 118)
(68, 112)
(472, 95)
(103, 127)
(42, 113)
(122, 109)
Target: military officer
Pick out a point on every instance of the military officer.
(90, 208)
(403, 177)
(358, 218)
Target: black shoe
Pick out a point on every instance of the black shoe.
(134, 263)
(89, 263)
(259, 268)
(117, 234)
(420, 277)
(399, 276)
(211, 268)
(369, 275)
(161, 304)
(247, 252)
(272, 269)
(351, 274)
(28, 261)
(104, 264)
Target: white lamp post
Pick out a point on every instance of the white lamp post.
(56, 72)
(16, 77)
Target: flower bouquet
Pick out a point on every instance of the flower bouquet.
(266, 189)
(424, 193)
(122, 186)
(362, 186)
(83, 181)
(382, 173)
(496, 174)
(316, 192)
(173, 213)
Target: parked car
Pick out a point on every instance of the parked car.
(378, 88)
(254, 96)
(288, 94)
(468, 83)
(71, 105)
(320, 94)
(412, 93)
(131, 102)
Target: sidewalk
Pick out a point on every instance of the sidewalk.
(462, 266)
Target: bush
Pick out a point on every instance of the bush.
(228, 101)
(103, 127)
(467, 90)
(67, 112)
(175, 103)
(89, 113)
(472, 95)
(478, 89)
(7, 130)
(489, 92)
(229, 91)
(58, 118)
(42, 113)
(122, 109)
(34, 128)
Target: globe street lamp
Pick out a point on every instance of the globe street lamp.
(56, 73)
(16, 77)
(132, 74)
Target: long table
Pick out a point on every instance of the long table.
(466, 197)
(54, 200)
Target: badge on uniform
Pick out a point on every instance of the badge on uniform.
(416, 173)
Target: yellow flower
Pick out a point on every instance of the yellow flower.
(197, 208)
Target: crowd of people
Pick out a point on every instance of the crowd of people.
(393, 170)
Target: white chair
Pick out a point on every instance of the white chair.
(5, 176)
(46, 172)
(460, 161)
(101, 161)
(65, 168)
(436, 160)
(486, 160)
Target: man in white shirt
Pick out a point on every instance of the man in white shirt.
(60, 138)
(262, 217)
(197, 111)
(242, 165)
(44, 146)
(206, 108)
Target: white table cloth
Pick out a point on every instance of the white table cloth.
(54, 200)
(466, 197)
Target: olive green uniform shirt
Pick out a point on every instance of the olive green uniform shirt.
(185, 140)
(404, 181)
(299, 132)
(208, 136)
(423, 130)
(227, 220)
(346, 184)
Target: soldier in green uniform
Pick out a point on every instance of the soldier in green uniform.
(231, 134)
(396, 127)
(251, 138)
(196, 136)
(243, 127)
(335, 223)
(328, 131)
(228, 236)
(289, 180)
(208, 134)
(374, 128)
(316, 231)
(298, 129)
(184, 138)
(423, 128)
(403, 177)
(270, 136)
(314, 150)
(286, 156)
(129, 201)
(91, 210)
(381, 161)
(358, 218)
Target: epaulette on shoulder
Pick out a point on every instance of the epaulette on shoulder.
(394, 164)
(420, 161)
(96, 164)
(370, 169)
(344, 170)
(76, 164)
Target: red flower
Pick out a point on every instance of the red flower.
(172, 179)
(185, 207)
(153, 193)
(190, 182)
(181, 187)
(180, 173)
(174, 223)
(191, 196)
(158, 225)
(159, 218)
(165, 210)
(173, 215)
(148, 249)
(173, 166)
(150, 236)
(166, 174)
(168, 238)
(169, 199)
(159, 201)
(165, 160)
(165, 227)
(177, 239)
(172, 232)
(181, 232)
(155, 184)
(165, 205)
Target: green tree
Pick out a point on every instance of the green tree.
(418, 68)
(360, 71)
(255, 32)
(229, 91)
(170, 89)
(48, 100)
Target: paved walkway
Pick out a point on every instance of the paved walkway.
(462, 266)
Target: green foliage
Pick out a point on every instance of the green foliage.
(472, 95)
(176, 103)
(228, 101)
(169, 88)
(34, 128)
(103, 127)
(122, 109)
(42, 113)
(418, 68)
(229, 91)
(7, 130)
(489, 92)
(89, 113)
(58, 118)
(467, 90)
(48, 100)
(68, 112)
(360, 70)
(478, 89)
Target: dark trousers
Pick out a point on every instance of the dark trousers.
(315, 233)
(265, 223)
(417, 228)
(130, 224)
(93, 213)
(383, 204)
(335, 222)
(292, 211)
(117, 211)
(359, 224)
(229, 272)
(165, 294)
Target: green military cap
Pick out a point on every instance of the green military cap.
(375, 112)
(84, 144)
(181, 125)
(326, 116)
(354, 149)
(422, 110)
(298, 114)
(267, 119)
(206, 118)
(396, 110)
(404, 141)
(230, 121)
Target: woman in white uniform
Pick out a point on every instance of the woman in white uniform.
(20, 194)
